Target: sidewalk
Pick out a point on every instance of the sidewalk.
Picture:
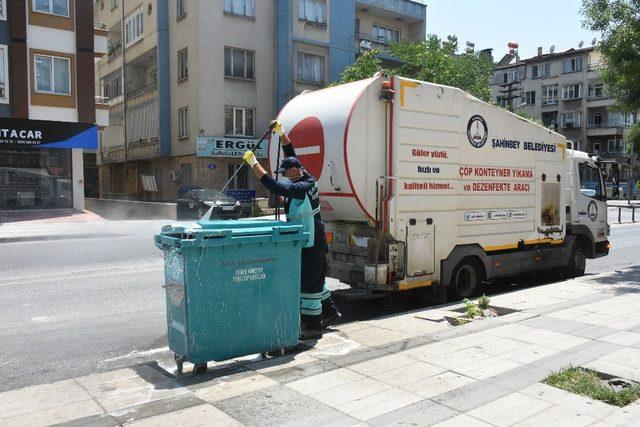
(409, 369)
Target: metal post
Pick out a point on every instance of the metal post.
(633, 214)
(619, 214)
(123, 38)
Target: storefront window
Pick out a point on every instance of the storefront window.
(35, 179)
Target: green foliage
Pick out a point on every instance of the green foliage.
(619, 23)
(530, 118)
(483, 301)
(471, 309)
(587, 383)
(365, 67)
(634, 137)
(433, 61)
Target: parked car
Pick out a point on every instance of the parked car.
(193, 204)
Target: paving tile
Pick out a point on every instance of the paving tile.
(224, 389)
(379, 404)
(624, 338)
(486, 368)
(372, 337)
(563, 342)
(138, 376)
(519, 378)
(305, 370)
(629, 357)
(427, 352)
(128, 397)
(462, 420)
(340, 395)
(458, 358)
(324, 381)
(558, 416)
(280, 405)
(283, 362)
(46, 396)
(425, 412)
(510, 330)
(568, 314)
(520, 407)
(98, 420)
(552, 324)
(627, 416)
(201, 415)
(156, 407)
(614, 369)
(498, 346)
(438, 384)
(409, 374)
(362, 354)
(566, 399)
(404, 345)
(529, 354)
(471, 396)
(382, 364)
(56, 415)
(593, 332)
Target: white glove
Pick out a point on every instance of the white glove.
(250, 158)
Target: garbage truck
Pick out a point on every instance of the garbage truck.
(424, 187)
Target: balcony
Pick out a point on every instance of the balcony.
(102, 111)
(613, 127)
(380, 44)
(599, 100)
(100, 37)
(411, 11)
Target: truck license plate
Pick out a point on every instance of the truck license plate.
(227, 208)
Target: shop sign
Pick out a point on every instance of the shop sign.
(219, 146)
(21, 133)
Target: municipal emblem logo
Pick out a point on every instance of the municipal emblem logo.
(592, 211)
(477, 131)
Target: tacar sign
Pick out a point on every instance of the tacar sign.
(219, 146)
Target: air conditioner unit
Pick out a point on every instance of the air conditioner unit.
(174, 176)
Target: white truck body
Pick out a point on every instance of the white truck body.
(416, 179)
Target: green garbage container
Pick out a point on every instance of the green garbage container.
(232, 288)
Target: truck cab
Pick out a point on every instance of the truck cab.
(587, 204)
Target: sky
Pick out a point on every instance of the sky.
(494, 23)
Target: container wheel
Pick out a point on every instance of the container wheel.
(199, 368)
(466, 280)
(179, 363)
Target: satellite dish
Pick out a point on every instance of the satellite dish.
(593, 42)
(581, 44)
(552, 49)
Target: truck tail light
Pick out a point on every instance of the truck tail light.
(329, 236)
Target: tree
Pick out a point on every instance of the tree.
(433, 61)
(619, 23)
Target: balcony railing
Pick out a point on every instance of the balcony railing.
(114, 49)
(598, 97)
(595, 67)
(380, 44)
(102, 100)
(608, 124)
(99, 25)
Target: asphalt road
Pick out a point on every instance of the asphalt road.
(76, 306)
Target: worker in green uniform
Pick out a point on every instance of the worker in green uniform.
(302, 204)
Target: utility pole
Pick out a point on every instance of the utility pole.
(632, 174)
(123, 39)
(511, 91)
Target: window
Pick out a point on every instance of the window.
(133, 28)
(54, 7)
(550, 118)
(238, 63)
(114, 4)
(510, 75)
(590, 183)
(310, 68)
(596, 91)
(549, 94)
(4, 74)
(385, 34)
(183, 64)
(617, 146)
(576, 144)
(53, 74)
(571, 92)
(182, 8)
(239, 7)
(503, 102)
(620, 120)
(238, 121)
(540, 70)
(183, 122)
(241, 178)
(112, 85)
(529, 98)
(572, 65)
(596, 120)
(3, 10)
(571, 120)
(312, 11)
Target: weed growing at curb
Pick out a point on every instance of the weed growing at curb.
(586, 382)
(483, 302)
(471, 309)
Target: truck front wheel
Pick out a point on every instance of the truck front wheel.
(577, 263)
(466, 280)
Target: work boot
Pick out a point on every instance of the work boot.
(311, 329)
(330, 313)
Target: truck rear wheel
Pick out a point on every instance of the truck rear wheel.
(577, 262)
(466, 280)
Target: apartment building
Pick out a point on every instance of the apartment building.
(565, 91)
(205, 77)
(49, 118)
